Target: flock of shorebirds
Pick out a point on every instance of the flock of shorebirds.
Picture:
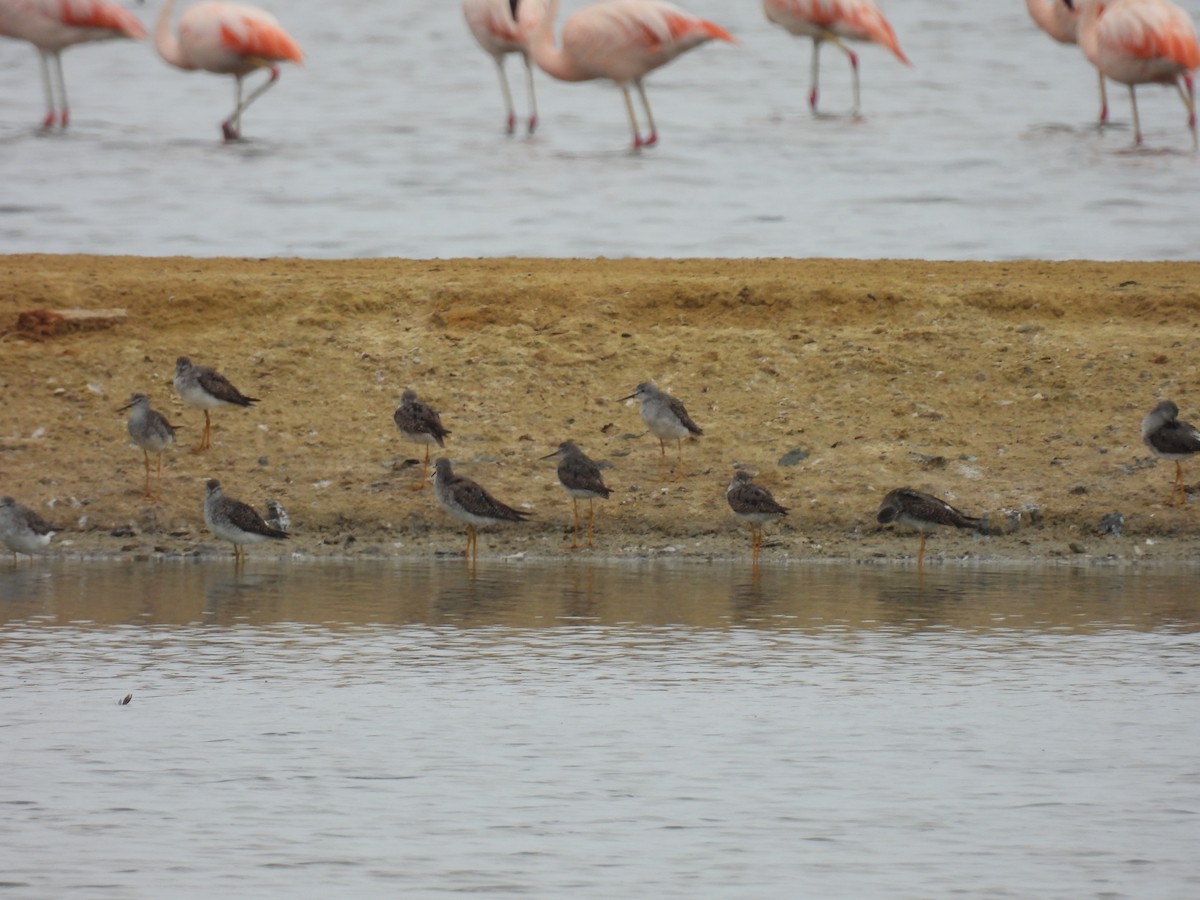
(24, 531)
(1129, 41)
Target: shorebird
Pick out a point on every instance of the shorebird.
(1169, 438)
(235, 521)
(204, 388)
(580, 478)
(665, 417)
(921, 511)
(22, 530)
(152, 432)
(419, 423)
(754, 504)
(470, 503)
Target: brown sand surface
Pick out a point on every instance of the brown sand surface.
(1013, 390)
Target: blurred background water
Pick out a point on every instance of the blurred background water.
(657, 730)
(388, 142)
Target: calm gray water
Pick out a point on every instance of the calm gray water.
(388, 143)
(597, 731)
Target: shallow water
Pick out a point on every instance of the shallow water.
(655, 730)
(388, 143)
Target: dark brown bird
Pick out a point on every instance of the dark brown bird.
(1171, 439)
(419, 422)
(753, 503)
(204, 388)
(469, 502)
(921, 511)
(581, 479)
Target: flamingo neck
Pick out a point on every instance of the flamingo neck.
(165, 41)
(551, 59)
(1089, 40)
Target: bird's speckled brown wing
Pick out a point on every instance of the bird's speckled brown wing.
(474, 499)
(217, 385)
(753, 499)
(247, 518)
(418, 417)
(1175, 438)
(682, 414)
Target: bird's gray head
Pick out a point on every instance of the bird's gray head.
(564, 448)
(7, 501)
(645, 391)
(182, 364)
(1167, 410)
(212, 486)
(135, 400)
(889, 510)
(441, 467)
(408, 396)
(742, 475)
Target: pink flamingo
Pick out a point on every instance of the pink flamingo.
(54, 25)
(621, 40)
(1060, 20)
(494, 25)
(1142, 42)
(835, 21)
(228, 39)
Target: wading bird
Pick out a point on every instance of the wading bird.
(152, 432)
(52, 26)
(419, 422)
(1060, 20)
(666, 418)
(921, 511)
(22, 530)
(235, 521)
(204, 388)
(1169, 438)
(753, 504)
(621, 40)
(494, 25)
(468, 502)
(581, 479)
(228, 39)
(835, 21)
(1142, 42)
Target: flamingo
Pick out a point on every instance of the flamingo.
(1142, 42)
(228, 39)
(494, 25)
(1060, 20)
(621, 40)
(835, 21)
(53, 25)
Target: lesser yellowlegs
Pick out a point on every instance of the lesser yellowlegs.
(235, 521)
(753, 503)
(152, 432)
(468, 502)
(419, 423)
(666, 418)
(581, 479)
(22, 530)
(921, 511)
(1171, 439)
(205, 388)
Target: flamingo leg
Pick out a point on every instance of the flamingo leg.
(814, 75)
(853, 57)
(510, 121)
(1187, 94)
(48, 90)
(653, 138)
(232, 127)
(533, 116)
(1137, 125)
(1103, 101)
(63, 114)
(637, 137)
